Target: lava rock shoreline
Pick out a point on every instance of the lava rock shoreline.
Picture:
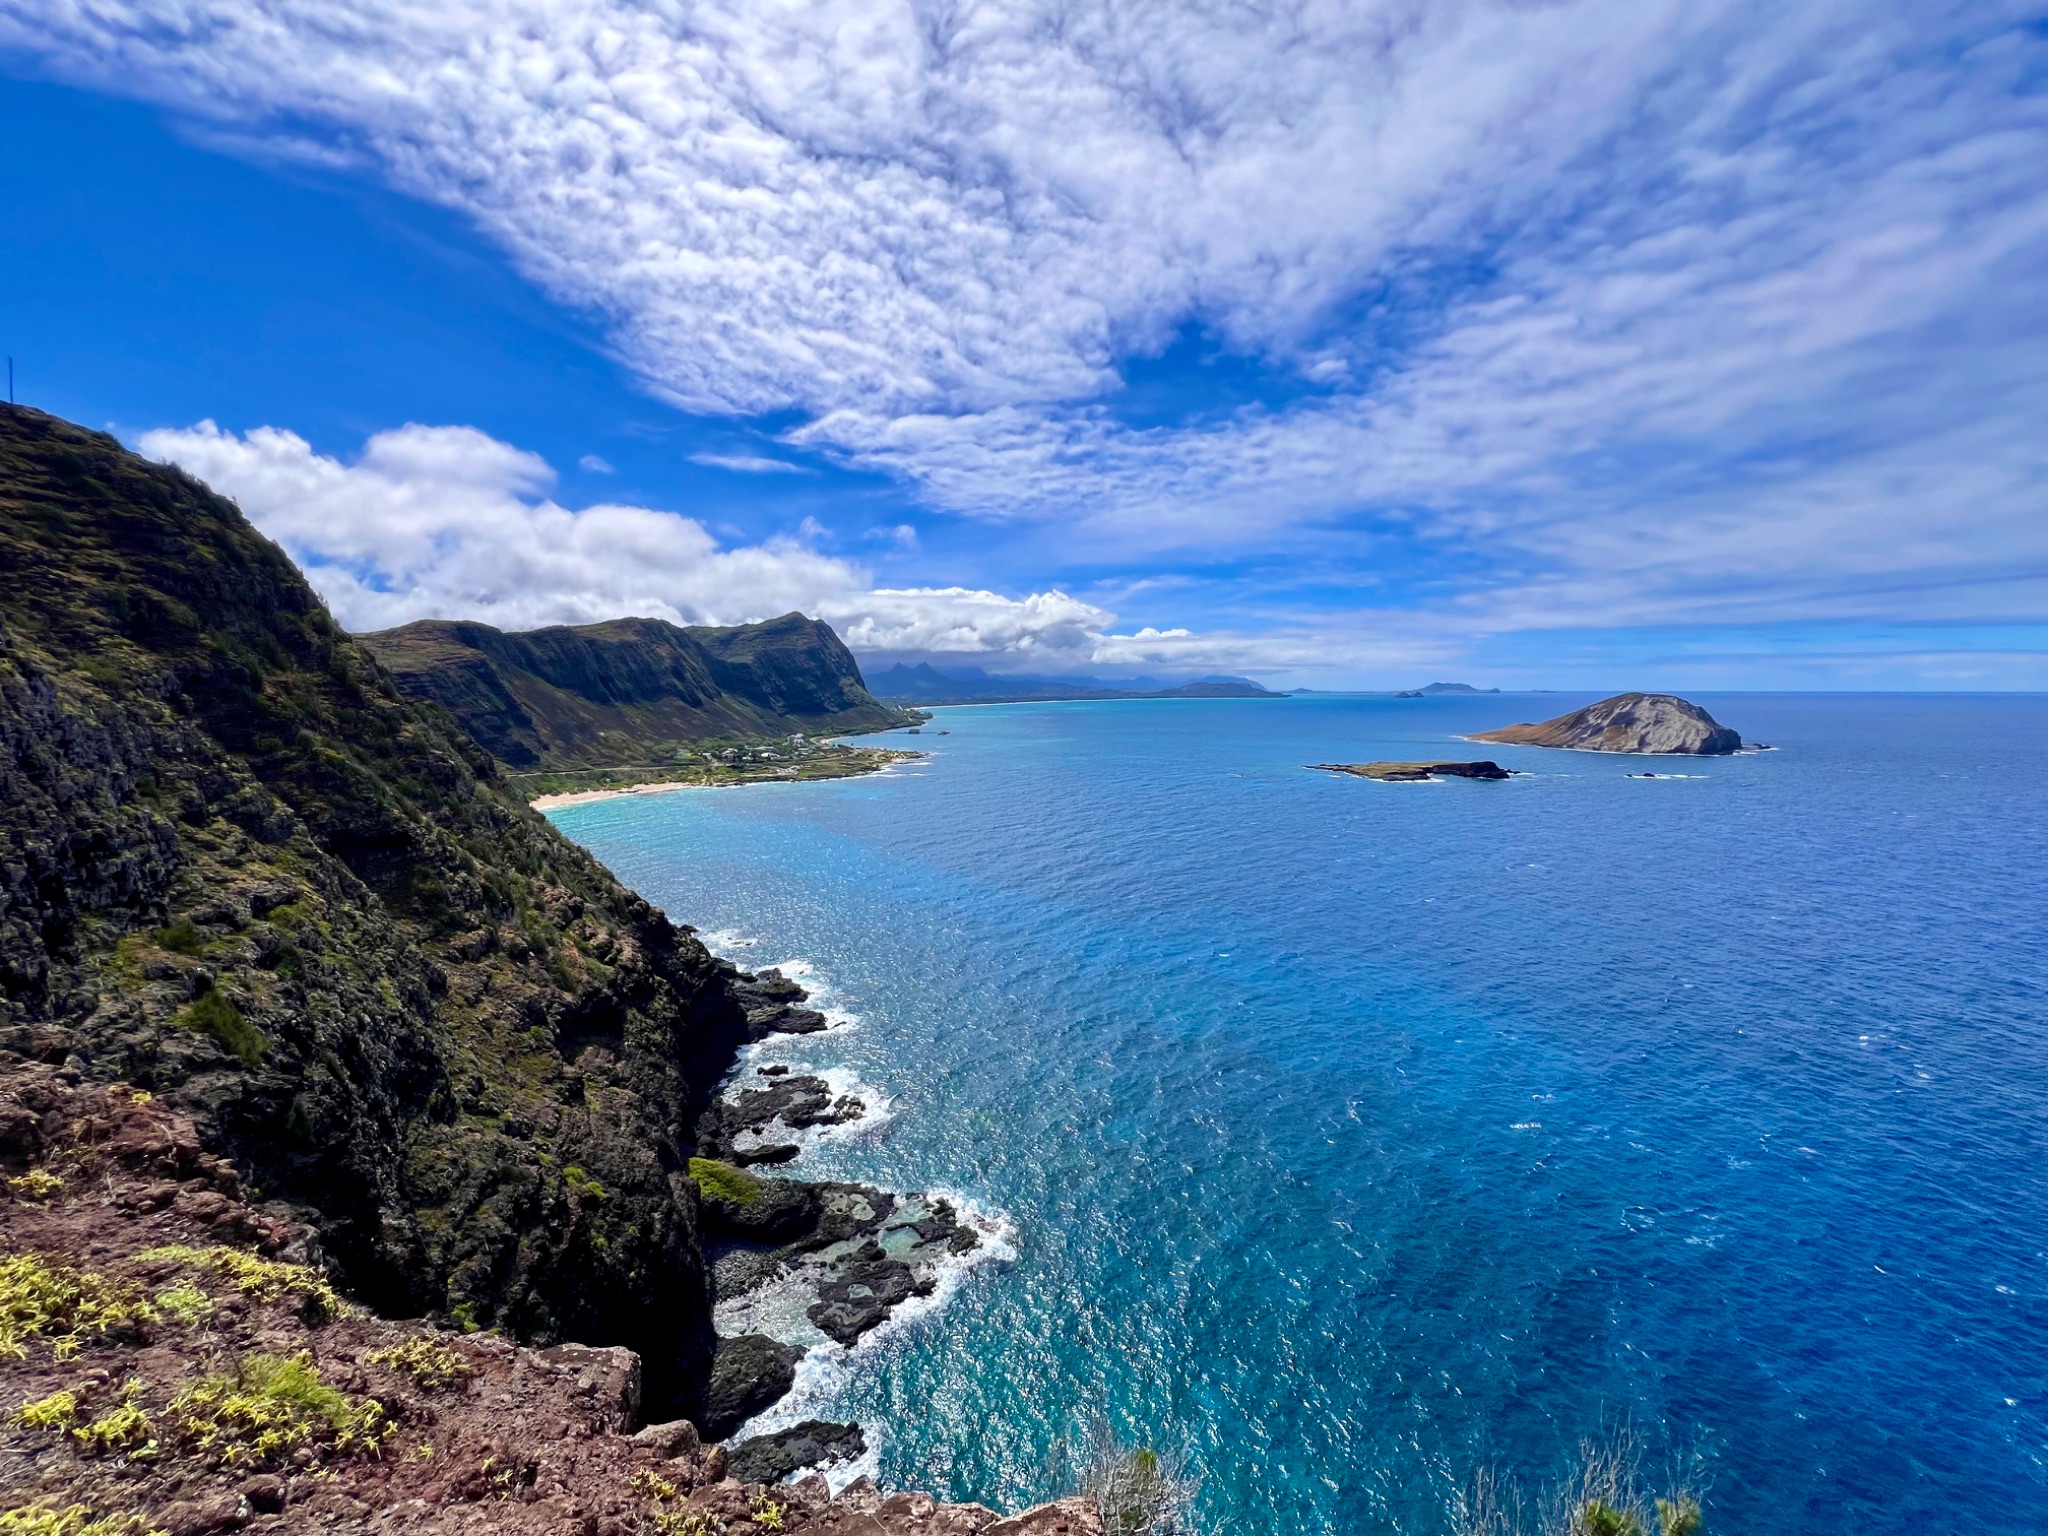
(146, 1288)
(844, 1256)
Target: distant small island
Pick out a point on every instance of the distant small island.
(1412, 773)
(1435, 690)
(925, 684)
(1628, 722)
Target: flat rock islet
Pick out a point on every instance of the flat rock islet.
(1415, 773)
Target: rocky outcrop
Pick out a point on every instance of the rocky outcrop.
(175, 1361)
(631, 691)
(813, 1443)
(1409, 773)
(243, 871)
(749, 1124)
(1628, 722)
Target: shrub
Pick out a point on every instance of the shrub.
(180, 938)
(57, 1411)
(211, 1013)
(124, 1427)
(1137, 1491)
(271, 1406)
(584, 1184)
(64, 1305)
(73, 1520)
(1602, 1496)
(722, 1181)
(428, 1363)
(264, 1280)
(185, 1303)
(38, 1184)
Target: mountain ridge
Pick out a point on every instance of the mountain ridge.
(923, 684)
(631, 690)
(240, 869)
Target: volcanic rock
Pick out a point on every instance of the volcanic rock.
(747, 1374)
(1628, 722)
(813, 1443)
(1408, 773)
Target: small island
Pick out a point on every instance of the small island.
(1628, 722)
(1415, 773)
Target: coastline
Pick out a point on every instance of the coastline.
(585, 796)
(871, 761)
(810, 1274)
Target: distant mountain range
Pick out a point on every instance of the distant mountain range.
(926, 684)
(631, 691)
(1436, 689)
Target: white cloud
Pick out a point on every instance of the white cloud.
(750, 464)
(448, 522)
(594, 465)
(1718, 308)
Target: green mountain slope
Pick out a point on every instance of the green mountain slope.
(631, 691)
(240, 867)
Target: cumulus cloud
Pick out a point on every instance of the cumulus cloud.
(449, 522)
(1713, 307)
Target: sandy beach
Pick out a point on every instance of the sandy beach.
(581, 796)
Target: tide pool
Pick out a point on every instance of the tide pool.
(1351, 1135)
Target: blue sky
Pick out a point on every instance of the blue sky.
(1583, 344)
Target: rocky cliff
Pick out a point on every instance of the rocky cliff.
(631, 691)
(170, 1367)
(1628, 722)
(241, 869)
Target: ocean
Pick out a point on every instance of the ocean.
(1349, 1137)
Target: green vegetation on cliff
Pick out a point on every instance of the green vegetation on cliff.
(240, 867)
(633, 693)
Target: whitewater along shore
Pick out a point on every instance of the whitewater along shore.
(251, 886)
(842, 1257)
(182, 1367)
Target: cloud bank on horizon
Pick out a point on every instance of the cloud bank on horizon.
(436, 521)
(1605, 313)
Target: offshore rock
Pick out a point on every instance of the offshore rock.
(1628, 722)
(1409, 773)
(813, 1443)
(784, 1103)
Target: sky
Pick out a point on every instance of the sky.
(1589, 343)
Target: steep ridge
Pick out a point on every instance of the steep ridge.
(631, 690)
(240, 869)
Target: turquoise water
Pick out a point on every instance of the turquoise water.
(1352, 1135)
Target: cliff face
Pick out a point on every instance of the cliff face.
(630, 691)
(1628, 722)
(238, 867)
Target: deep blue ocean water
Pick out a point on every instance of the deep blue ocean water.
(1353, 1135)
